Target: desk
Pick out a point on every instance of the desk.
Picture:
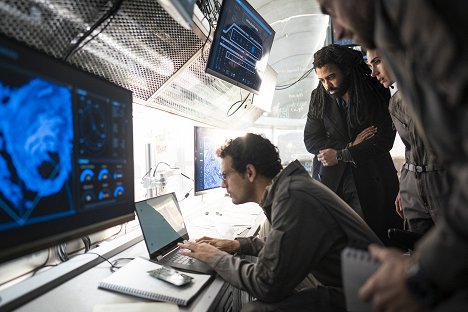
(81, 293)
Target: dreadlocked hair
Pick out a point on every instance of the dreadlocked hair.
(368, 97)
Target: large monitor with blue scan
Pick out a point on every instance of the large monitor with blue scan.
(241, 46)
(66, 152)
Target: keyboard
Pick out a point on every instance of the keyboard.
(176, 257)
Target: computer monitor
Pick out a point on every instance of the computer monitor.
(207, 163)
(66, 152)
(241, 46)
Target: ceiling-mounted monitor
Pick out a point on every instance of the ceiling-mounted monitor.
(66, 152)
(241, 46)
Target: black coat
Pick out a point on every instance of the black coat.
(374, 174)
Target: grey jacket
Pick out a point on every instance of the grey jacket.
(429, 57)
(417, 151)
(310, 225)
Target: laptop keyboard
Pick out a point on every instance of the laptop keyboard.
(179, 258)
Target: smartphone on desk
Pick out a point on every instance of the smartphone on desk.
(171, 276)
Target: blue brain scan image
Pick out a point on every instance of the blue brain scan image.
(36, 143)
(211, 165)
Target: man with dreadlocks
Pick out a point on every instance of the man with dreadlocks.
(350, 132)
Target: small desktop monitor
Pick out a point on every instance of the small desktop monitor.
(241, 46)
(66, 152)
(207, 163)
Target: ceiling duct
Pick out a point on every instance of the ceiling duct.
(140, 48)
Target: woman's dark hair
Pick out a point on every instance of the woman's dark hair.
(255, 150)
(367, 95)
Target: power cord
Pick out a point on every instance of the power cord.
(87, 243)
(204, 44)
(286, 86)
(62, 252)
(186, 195)
(114, 265)
(62, 249)
(165, 163)
(241, 103)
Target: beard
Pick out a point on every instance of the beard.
(341, 89)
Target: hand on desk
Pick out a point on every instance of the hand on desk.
(228, 245)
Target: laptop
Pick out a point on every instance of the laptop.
(163, 227)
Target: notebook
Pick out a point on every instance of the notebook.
(134, 279)
(163, 227)
(357, 266)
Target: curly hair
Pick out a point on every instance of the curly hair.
(255, 150)
(367, 95)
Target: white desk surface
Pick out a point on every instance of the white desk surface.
(81, 293)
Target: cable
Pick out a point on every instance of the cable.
(211, 13)
(87, 243)
(284, 87)
(113, 265)
(184, 175)
(109, 15)
(204, 44)
(147, 174)
(62, 252)
(240, 105)
(165, 163)
(186, 195)
(113, 236)
(33, 271)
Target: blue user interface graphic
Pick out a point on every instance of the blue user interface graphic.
(102, 147)
(63, 149)
(36, 145)
(241, 45)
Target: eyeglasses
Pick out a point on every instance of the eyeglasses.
(224, 175)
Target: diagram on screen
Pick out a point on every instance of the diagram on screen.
(35, 162)
(242, 49)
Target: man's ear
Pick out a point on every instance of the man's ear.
(251, 172)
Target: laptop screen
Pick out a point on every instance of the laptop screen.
(161, 222)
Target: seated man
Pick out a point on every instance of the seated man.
(310, 226)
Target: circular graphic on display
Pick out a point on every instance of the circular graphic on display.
(36, 161)
(93, 128)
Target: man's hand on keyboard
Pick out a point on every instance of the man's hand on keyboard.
(200, 251)
(227, 245)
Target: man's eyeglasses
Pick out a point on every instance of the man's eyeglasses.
(224, 175)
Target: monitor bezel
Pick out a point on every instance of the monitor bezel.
(215, 41)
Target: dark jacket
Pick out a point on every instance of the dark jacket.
(374, 174)
(430, 61)
(310, 226)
